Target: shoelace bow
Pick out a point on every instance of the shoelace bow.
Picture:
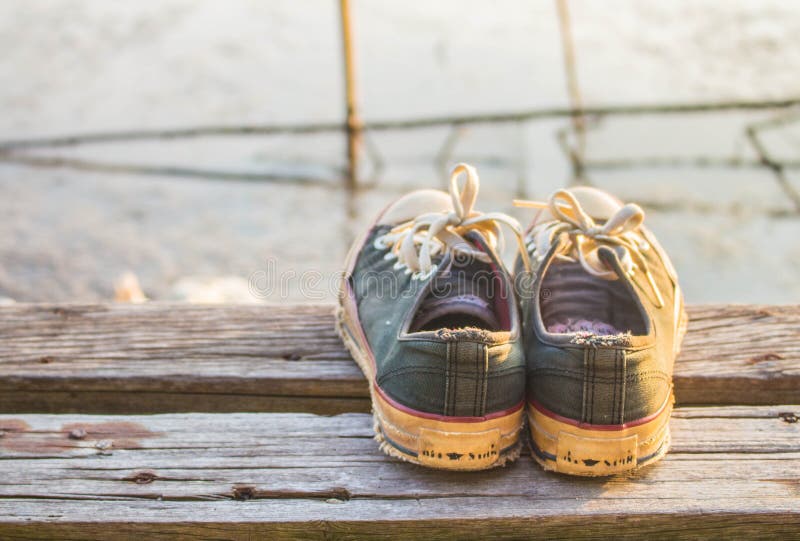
(584, 236)
(416, 241)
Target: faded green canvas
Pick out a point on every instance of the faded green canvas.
(453, 374)
(597, 383)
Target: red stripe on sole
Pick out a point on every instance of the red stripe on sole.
(588, 426)
(445, 418)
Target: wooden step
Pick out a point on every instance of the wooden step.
(155, 357)
(732, 472)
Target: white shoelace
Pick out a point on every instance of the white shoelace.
(415, 242)
(584, 237)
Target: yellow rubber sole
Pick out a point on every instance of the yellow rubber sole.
(446, 444)
(562, 446)
(461, 444)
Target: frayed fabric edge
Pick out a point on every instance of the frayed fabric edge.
(587, 338)
(464, 333)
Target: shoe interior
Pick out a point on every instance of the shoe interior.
(572, 300)
(472, 296)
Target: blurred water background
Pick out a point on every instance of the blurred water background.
(77, 66)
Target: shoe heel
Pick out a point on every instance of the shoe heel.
(448, 443)
(561, 445)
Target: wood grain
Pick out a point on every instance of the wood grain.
(156, 357)
(732, 471)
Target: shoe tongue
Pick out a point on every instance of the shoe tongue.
(458, 299)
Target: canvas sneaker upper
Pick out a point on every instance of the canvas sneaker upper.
(436, 304)
(602, 311)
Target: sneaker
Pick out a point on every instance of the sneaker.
(428, 312)
(603, 321)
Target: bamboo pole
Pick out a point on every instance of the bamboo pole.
(578, 151)
(353, 127)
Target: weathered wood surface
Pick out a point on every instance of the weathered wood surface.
(733, 472)
(170, 358)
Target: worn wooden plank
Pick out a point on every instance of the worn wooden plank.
(167, 357)
(383, 519)
(740, 354)
(732, 471)
(160, 357)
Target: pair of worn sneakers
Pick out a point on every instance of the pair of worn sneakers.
(579, 341)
